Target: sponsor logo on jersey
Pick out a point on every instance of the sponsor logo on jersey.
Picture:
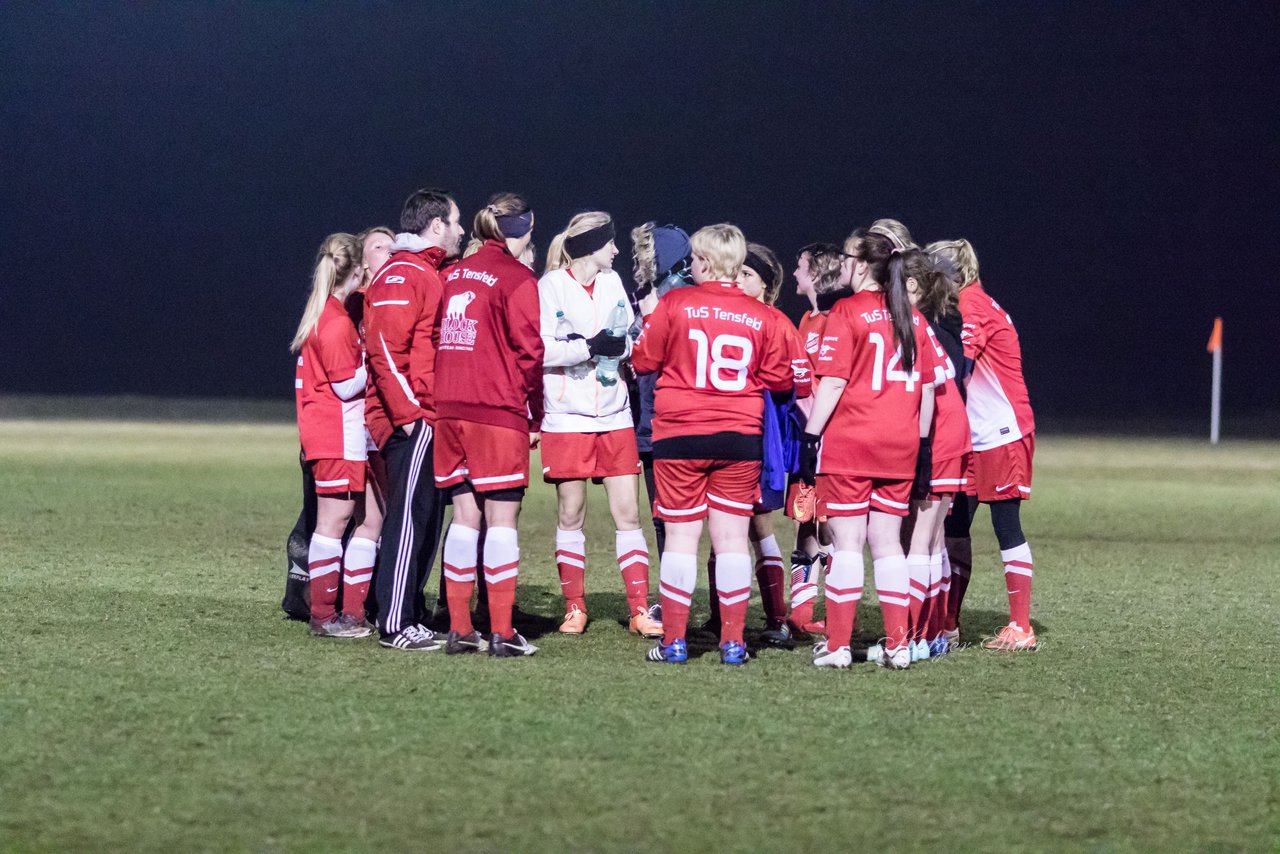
(395, 280)
(824, 353)
(812, 342)
(456, 329)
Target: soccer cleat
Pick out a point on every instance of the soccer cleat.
(919, 650)
(895, 659)
(643, 624)
(1012, 639)
(413, 639)
(458, 644)
(874, 652)
(655, 612)
(952, 637)
(358, 624)
(823, 656)
(779, 636)
(334, 627)
(513, 647)
(677, 652)
(732, 652)
(939, 647)
(575, 622)
(818, 628)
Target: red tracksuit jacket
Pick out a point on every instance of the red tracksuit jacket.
(489, 342)
(400, 309)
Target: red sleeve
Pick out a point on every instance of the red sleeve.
(390, 314)
(524, 326)
(651, 346)
(775, 369)
(800, 371)
(835, 356)
(974, 332)
(338, 349)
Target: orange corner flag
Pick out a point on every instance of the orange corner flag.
(1215, 338)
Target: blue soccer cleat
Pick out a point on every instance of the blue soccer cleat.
(675, 653)
(732, 652)
(939, 647)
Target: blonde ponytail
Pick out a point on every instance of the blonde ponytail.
(338, 258)
(644, 255)
(557, 257)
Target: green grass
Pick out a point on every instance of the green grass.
(152, 696)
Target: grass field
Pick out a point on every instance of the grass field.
(153, 697)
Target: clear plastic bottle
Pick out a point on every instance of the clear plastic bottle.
(563, 330)
(606, 366)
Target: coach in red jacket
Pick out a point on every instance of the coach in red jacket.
(400, 310)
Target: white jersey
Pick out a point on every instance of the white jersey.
(575, 401)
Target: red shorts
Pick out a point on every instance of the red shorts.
(578, 456)
(1002, 473)
(687, 487)
(488, 457)
(949, 476)
(853, 495)
(338, 477)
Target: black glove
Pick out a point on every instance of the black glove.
(809, 458)
(573, 336)
(604, 344)
(920, 487)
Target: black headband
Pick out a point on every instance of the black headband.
(515, 225)
(582, 245)
(762, 268)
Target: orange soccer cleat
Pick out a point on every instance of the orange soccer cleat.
(575, 622)
(644, 625)
(1012, 639)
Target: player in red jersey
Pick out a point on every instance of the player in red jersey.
(718, 351)
(872, 413)
(488, 399)
(375, 249)
(820, 278)
(1003, 432)
(401, 305)
(934, 295)
(330, 398)
(587, 432)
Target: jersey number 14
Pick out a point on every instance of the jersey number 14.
(881, 373)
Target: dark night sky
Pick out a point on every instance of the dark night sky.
(168, 170)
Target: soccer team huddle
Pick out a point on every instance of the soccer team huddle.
(426, 373)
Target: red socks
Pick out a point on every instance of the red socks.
(324, 566)
(1017, 581)
(918, 578)
(769, 577)
(571, 562)
(733, 589)
(633, 561)
(461, 547)
(893, 583)
(678, 574)
(501, 570)
(357, 572)
(844, 588)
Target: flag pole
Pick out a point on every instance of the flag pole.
(1215, 401)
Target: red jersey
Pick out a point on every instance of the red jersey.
(330, 428)
(801, 370)
(875, 429)
(812, 325)
(489, 342)
(717, 349)
(998, 405)
(375, 416)
(400, 309)
(950, 423)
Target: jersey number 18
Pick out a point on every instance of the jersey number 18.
(727, 373)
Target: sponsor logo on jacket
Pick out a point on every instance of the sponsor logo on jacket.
(456, 329)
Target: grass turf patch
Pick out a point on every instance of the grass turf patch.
(153, 697)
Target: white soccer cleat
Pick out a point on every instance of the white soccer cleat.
(838, 658)
(895, 659)
(874, 652)
(919, 651)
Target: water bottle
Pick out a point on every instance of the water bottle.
(563, 327)
(563, 330)
(607, 367)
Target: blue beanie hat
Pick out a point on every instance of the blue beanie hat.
(670, 246)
